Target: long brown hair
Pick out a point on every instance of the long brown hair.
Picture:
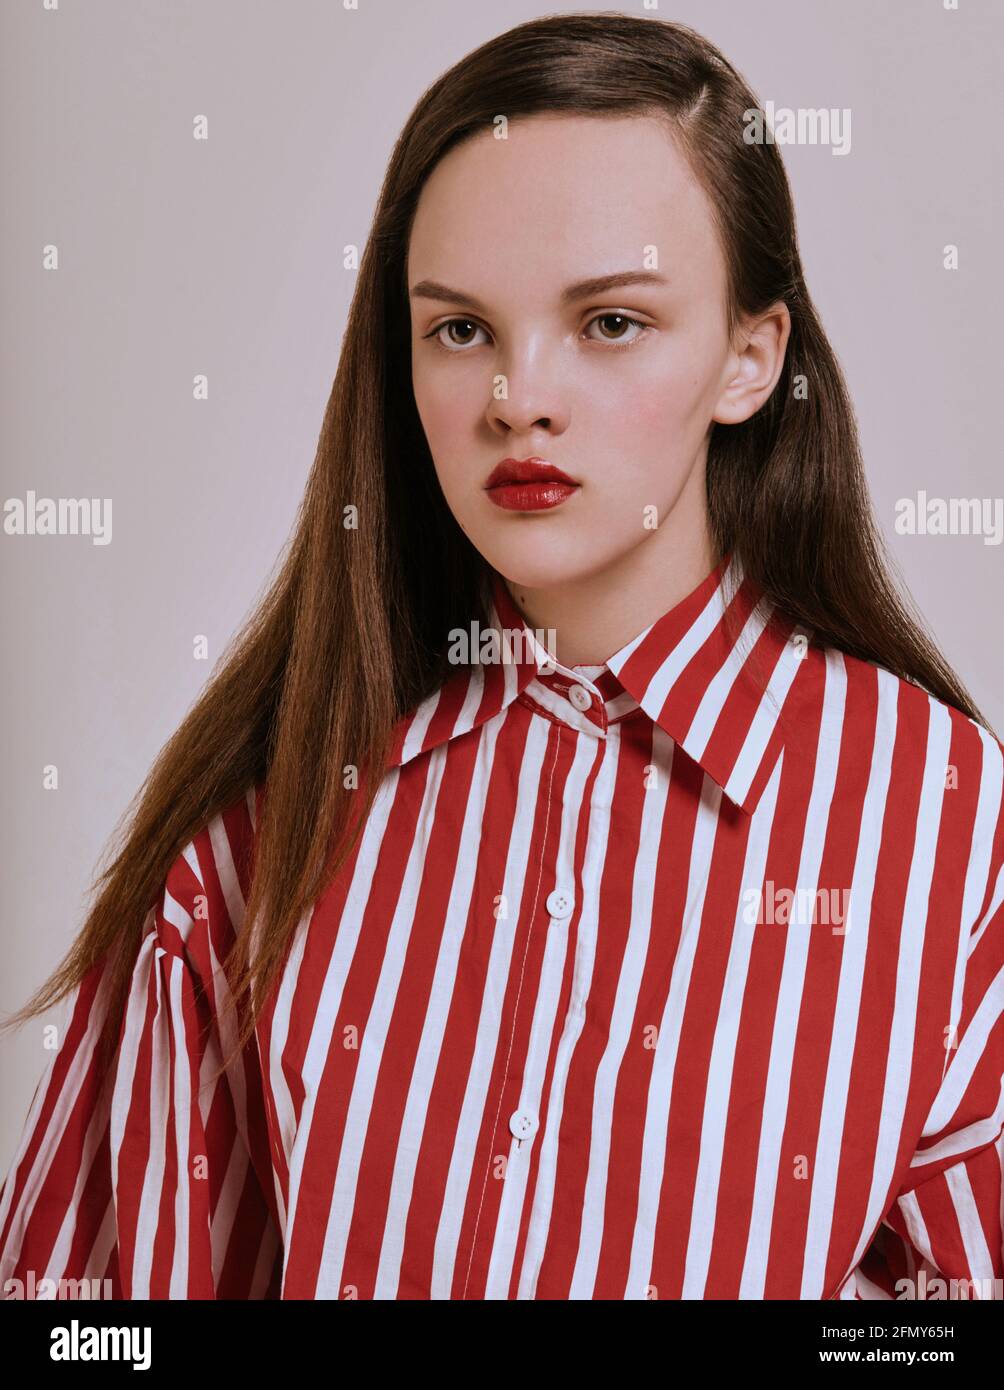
(353, 631)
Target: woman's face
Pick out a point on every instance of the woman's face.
(516, 357)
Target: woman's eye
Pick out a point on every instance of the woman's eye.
(619, 322)
(452, 344)
(456, 334)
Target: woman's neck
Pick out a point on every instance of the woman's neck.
(595, 615)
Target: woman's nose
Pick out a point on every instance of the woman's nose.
(525, 398)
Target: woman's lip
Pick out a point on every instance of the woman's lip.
(531, 497)
(531, 470)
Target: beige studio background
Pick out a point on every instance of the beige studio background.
(224, 257)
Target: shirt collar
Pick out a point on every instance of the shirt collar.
(714, 672)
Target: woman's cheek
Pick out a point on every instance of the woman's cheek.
(647, 428)
(667, 413)
(451, 413)
(441, 435)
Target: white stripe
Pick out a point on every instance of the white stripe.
(77, 1070)
(997, 897)
(625, 1002)
(182, 1116)
(902, 1034)
(544, 1021)
(340, 962)
(791, 991)
(668, 673)
(987, 815)
(429, 1051)
(963, 1067)
(285, 1110)
(664, 1062)
(463, 1179)
(709, 711)
(979, 1262)
(915, 1227)
(222, 1223)
(141, 1024)
(765, 720)
(719, 1081)
(829, 1142)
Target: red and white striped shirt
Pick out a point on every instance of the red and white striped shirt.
(641, 982)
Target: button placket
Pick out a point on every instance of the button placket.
(560, 903)
(588, 703)
(569, 700)
(523, 1124)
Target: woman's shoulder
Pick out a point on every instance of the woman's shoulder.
(917, 770)
(876, 698)
(937, 755)
(207, 884)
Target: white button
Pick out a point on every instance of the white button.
(580, 697)
(560, 903)
(522, 1124)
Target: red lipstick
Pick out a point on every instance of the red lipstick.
(528, 485)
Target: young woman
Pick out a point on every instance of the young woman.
(583, 879)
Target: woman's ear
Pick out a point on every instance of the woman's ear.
(754, 366)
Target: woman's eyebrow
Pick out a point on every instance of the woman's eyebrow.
(582, 289)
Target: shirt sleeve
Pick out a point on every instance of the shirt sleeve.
(945, 1223)
(156, 1178)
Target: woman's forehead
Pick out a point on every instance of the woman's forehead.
(558, 201)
